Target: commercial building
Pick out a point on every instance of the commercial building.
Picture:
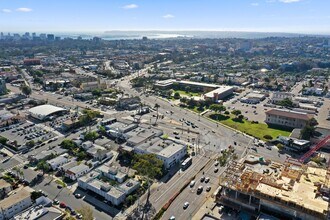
(130, 103)
(280, 96)
(115, 195)
(167, 151)
(119, 130)
(254, 97)
(15, 204)
(211, 91)
(287, 118)
(77, 171)
(286, 191)
(43, 112)
(90, 86)
(294, 144)
(219, 93)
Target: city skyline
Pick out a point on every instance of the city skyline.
(291, 16)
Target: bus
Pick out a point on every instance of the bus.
(108, 121)
(186, 163)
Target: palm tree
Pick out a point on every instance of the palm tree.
(18, 171)
(156, 107)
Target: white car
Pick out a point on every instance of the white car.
(192, 183)
(185, 205)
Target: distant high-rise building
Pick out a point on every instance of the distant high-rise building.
(97, 39)
(144, 38)
(34, 34)
(50, 37)
(3, 88)
(79, 38)
(17, 36)
(43, 36)
(57, 38)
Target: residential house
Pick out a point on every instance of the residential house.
(56, 162)
(77, 171)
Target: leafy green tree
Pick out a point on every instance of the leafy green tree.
(286, 103)
(177, 95)
(3, 140)
(91, 136)
(26, 90)
(68, 144)
(102, 130)
(97, 92)
(217, 108)
(35, 195)
(240, 117)
(236, 112)
(309, 130)
(42, 165)
(81, 155)
(191, 103)
(30, 144)
(149, 166)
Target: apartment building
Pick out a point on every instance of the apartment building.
(15, 203)
(287, 118)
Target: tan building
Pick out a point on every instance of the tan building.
(90, 86)
(5, 188)
(15, 203)
(285, 191)
(287, 118)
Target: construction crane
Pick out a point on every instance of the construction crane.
(314, 149)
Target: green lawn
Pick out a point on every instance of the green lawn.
(182, 92)
(256, 130)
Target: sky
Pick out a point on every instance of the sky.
(292, 16)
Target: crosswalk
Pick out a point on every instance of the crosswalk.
(11, 168)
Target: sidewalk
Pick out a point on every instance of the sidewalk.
(209, 207)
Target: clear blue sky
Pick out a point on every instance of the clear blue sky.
(303, 16)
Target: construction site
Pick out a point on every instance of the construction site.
(290, 190)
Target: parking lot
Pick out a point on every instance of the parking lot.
(19, 134)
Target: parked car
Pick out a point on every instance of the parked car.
(185, 205)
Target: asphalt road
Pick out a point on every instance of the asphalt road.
(189, 194)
